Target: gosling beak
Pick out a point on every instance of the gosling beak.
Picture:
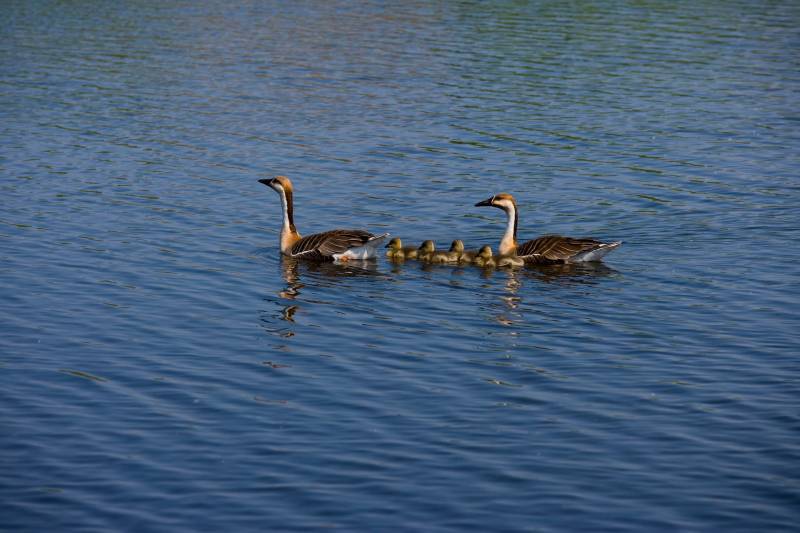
(266, 181)
(388, 245)
(488, 202)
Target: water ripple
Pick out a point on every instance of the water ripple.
(162, 368)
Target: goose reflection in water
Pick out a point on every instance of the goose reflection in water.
(292, 270)
(509, 313)
(570, 273)
(567, 274)
(564, 275)
(291, 275)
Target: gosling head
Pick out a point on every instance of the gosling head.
(427, 247)
(279, 184)
(457, 246)
(395, 244)
(501, 200)
(485, 252)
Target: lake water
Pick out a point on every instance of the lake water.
(162, 369)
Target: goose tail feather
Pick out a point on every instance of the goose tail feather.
(595, 254)
(365, 251)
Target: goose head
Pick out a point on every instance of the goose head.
(505, 202)
(279, 184)
(457, 246)
(501, 200)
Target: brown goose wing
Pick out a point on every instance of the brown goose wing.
(323, 246)
(554, 248)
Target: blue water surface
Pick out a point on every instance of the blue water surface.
(163, 369)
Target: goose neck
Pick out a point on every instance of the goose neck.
(508, 244)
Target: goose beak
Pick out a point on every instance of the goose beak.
(266, 181)
(486, 202)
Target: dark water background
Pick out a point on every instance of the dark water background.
(161, 369)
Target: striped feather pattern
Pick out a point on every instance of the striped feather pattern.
(550, 249)
(323, 246)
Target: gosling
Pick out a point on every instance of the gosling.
(484, 258)
(398, 252)
(450, 256)
(429, 254)
(456, 249)
(425, 251)
(439, 258)
(460, 255)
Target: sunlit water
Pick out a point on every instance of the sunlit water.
(162, 369)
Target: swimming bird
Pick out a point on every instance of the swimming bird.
(485, 258)
(333, 245)
(397, 251)
(439, 257)
(464, 256)
(456, 249)
(425, 251)
(450, 256)
(548, 249)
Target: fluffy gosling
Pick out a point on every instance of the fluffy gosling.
(464, 257)
(425, 251)
(398, 252)
(485, 258)
(456, 249)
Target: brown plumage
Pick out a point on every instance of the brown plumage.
(338, 244)
(549, 249)
(323, 246)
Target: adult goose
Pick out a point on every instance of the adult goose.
(549, 249)
(334, 245)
